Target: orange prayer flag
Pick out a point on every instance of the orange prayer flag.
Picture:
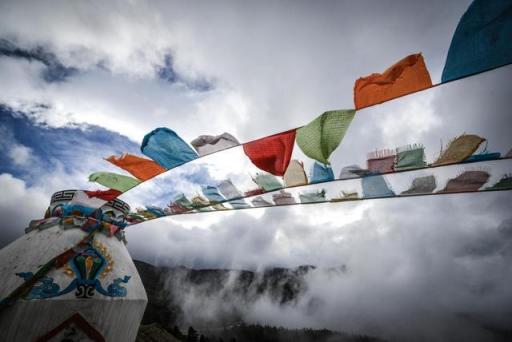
(404, 77)
(141, 168)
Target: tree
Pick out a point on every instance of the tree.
(192, 335)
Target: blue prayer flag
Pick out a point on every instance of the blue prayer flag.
(482, 40)
(376, 186)
(166, 148)
(321, 173)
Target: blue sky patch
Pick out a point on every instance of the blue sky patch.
(49, 147)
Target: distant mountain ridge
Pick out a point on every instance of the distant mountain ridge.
(171, 290)
(165, 286)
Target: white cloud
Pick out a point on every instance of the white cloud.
(272, 67)
(18, 205)
(20, 155)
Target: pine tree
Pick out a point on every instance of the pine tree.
(192, 335)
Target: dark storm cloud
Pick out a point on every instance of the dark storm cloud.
(55, 71)
(167, 72)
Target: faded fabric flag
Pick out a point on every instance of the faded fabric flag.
(166, 148)
(158, 212)
(228, 190)
(200, 203)
(421, 185)
(346, 196)
(219, 206)
(459, 149)
(146, 214)
(212, 194)
(267, 182)
(182, 200)
(141, 168)
(207, 144)
(254, 192)
(283, 197)
(410, 157)
(406, 76)
(382, 161)
(177, 208)
(321, 173)
(114, 181)
(376, 186)
(505, 183)
(312, 196)
(322, 136)
(352, 171)
(260, 202)
(239, 204)
(482, 40)
(467, 181)
(272, 154)
(295, 175)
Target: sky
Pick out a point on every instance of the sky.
(81, 81)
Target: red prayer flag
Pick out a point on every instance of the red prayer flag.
(107, 195)
(272, 154)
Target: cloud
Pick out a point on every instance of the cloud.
(18, 205)
(276, 69)
(413, 280)
(18, 154)
(254, 69)
(54, 72)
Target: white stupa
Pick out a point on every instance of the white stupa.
(96, 294)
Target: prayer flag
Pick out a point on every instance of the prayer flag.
(421, 185)
(459, 149)
(207, 144)
(406, 76)
(410, 157)
(376, 186)
(107, 195)
(140, 168)
(381, 161)
(267, 182)
(467, 181)
(295, 175)
(272, 154)
(114, 181)
(321, 173)
(283, 198)
(482, 40)
(322, 136)
(312, 196)
(166, 148)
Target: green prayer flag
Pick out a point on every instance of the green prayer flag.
(504, 183)
(114, 181)
(321, 137)
(267, 182)
(410, 157)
